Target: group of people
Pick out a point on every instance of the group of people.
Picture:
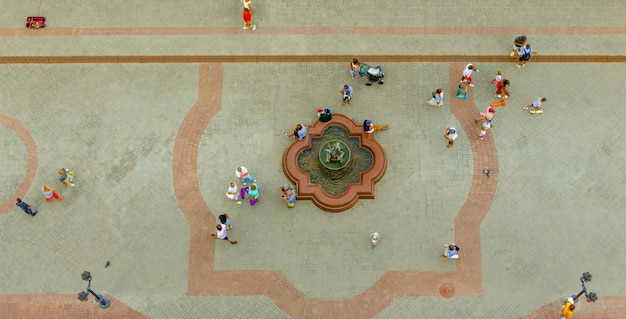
(520, 49)
(66, 176)
(251, 192)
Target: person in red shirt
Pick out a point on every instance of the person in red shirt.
(247, 18)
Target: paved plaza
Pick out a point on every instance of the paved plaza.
(154, 105)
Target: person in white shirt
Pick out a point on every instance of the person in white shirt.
(244, 177)
(233, 193)
(221, 234)
(467, 74)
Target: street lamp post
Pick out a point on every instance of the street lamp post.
(84, 295)
(591, 296)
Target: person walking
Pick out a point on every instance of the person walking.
(518, 44)
(221, 234)
(253, 193)
(247, 4)
(451, 251)
(467, 74)
(483, 129)
(369, 127)
(567, 310)
(66, 176)
(288, 194)
(501, 88)
(525, 56)
(450, 135)
(346, 94)
(247, 19)
(497, 78)
(488, 115)
(298, 131)
(355, 66)
(25, 207)
(536, 106)
(437, 99)
(50, 193)
(233, 193)
(243, 176)
(225, 220)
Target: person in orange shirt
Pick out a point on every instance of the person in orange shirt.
(567, 311)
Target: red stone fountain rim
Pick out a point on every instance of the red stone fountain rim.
(364, 189)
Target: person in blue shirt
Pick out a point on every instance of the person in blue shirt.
(524, 56)
(298, 131)
(346, 93)
(25, 207)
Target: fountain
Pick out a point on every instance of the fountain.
(336, 165)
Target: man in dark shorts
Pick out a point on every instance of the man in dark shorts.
(524, 56)
(518, 44)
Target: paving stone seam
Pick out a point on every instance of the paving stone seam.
(317, 30)
(309, 58)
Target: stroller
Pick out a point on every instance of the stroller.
(374, 74)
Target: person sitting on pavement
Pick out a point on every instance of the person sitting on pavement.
(369, 127)
(298, 131)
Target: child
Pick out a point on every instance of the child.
(247, 17)
(483, 129)
(374, 237)
(498, 77)
(467, 74)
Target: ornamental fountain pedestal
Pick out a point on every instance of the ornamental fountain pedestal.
(335, 165)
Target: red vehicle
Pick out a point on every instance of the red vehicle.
(35, 22)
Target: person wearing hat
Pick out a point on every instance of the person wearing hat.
(288, 194)
(324, 115)
(488, 115)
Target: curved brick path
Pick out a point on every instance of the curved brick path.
(31, 169)
(203, 280)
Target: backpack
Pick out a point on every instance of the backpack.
(223, 218)
(457, 248)
(434, 95)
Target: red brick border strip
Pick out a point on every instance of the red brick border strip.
(204, 280)
(317, 30)
(61, 306)
(31, 168)
(607, 307)
(310, 58)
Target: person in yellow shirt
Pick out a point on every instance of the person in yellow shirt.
(568, 309)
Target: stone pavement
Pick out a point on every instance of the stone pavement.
(154, 146)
